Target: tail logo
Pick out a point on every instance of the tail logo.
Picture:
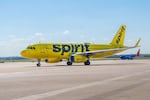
(120, 34)
(119, 37)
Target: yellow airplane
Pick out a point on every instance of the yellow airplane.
(55, 52)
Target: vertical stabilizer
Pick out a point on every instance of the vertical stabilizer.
(119, 37)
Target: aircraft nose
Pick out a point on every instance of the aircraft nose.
(24, 53)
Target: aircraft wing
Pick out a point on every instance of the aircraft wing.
(116, 50)
(91, 53)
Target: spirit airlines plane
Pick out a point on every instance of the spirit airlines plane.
(76, 53)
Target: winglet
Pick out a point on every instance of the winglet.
(137, 43)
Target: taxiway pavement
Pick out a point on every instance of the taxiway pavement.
(102, 80)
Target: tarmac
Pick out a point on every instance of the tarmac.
(102, 80)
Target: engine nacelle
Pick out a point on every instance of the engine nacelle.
(52, 60)
(78, 58)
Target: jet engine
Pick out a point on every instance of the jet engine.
(78, 58)
(52, 60)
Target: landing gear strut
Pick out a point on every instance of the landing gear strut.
(87, 62)
(38, 64)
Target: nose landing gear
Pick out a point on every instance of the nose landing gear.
(38, 64)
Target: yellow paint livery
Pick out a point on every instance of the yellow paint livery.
(54, 52)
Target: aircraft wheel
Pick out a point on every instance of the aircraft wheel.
(69, 63)
(87, 63)
(38, 65)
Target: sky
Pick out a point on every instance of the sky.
(25, 22)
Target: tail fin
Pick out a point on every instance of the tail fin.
(138, 53)
(119, 37)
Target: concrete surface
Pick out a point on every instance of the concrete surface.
(103, 80)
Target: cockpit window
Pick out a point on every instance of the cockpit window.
(31, 47)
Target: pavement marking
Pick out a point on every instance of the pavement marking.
(60, 91)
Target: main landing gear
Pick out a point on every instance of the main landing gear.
(87, 62)
(69, 63)
(38, 64)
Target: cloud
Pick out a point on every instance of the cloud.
(93, 40)
(82, 36)
(106, 40)
(39, 37)
(129, 40)
(66, 32)
(12, 45)
(39, 34)
(11, 36)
